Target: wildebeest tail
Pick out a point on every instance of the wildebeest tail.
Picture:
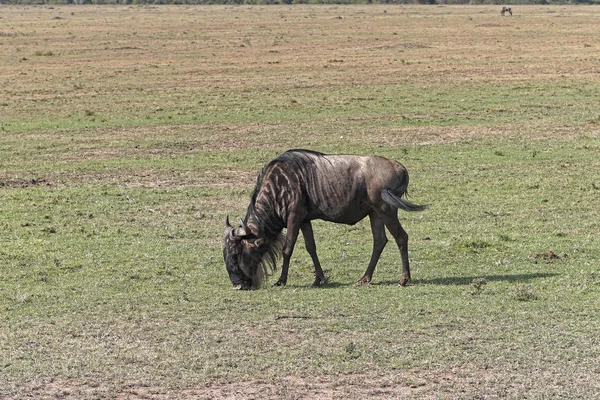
(394, 199)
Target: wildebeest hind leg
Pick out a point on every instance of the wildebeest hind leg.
(379, 242)
(311, 247)
(401, 237)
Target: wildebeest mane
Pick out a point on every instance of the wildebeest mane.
(297, 160)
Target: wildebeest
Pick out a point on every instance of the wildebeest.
(506, 10)
(301, 185)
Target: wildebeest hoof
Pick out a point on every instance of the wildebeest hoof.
(242, 286)
(279, 283)
(403, 282)
(365, 280)
(319, 282)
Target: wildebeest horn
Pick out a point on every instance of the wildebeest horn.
(240, 231)
(230, 229)
(245, 228)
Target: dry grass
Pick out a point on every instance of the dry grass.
(142, 66)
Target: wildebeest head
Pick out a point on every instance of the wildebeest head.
(243, 252)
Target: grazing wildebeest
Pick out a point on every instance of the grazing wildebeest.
(506, 10)
(302, 185)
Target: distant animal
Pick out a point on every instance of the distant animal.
(302, 185)
(506, 10)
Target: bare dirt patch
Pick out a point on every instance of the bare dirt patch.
(460, 382)
(23, 183)
(289, 387)
(414, 383)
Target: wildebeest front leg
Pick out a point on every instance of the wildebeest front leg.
(401, 237)
(379, 242)
(311, 247)
(288, 248)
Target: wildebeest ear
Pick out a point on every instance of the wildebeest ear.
(241, 232)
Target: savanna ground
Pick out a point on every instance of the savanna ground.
(127, 134)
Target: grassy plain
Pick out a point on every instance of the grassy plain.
(127, 134)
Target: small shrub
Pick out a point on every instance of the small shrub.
(44, 53)
(477, 285)
(477, 245)
(524, 293)
(350, 351)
